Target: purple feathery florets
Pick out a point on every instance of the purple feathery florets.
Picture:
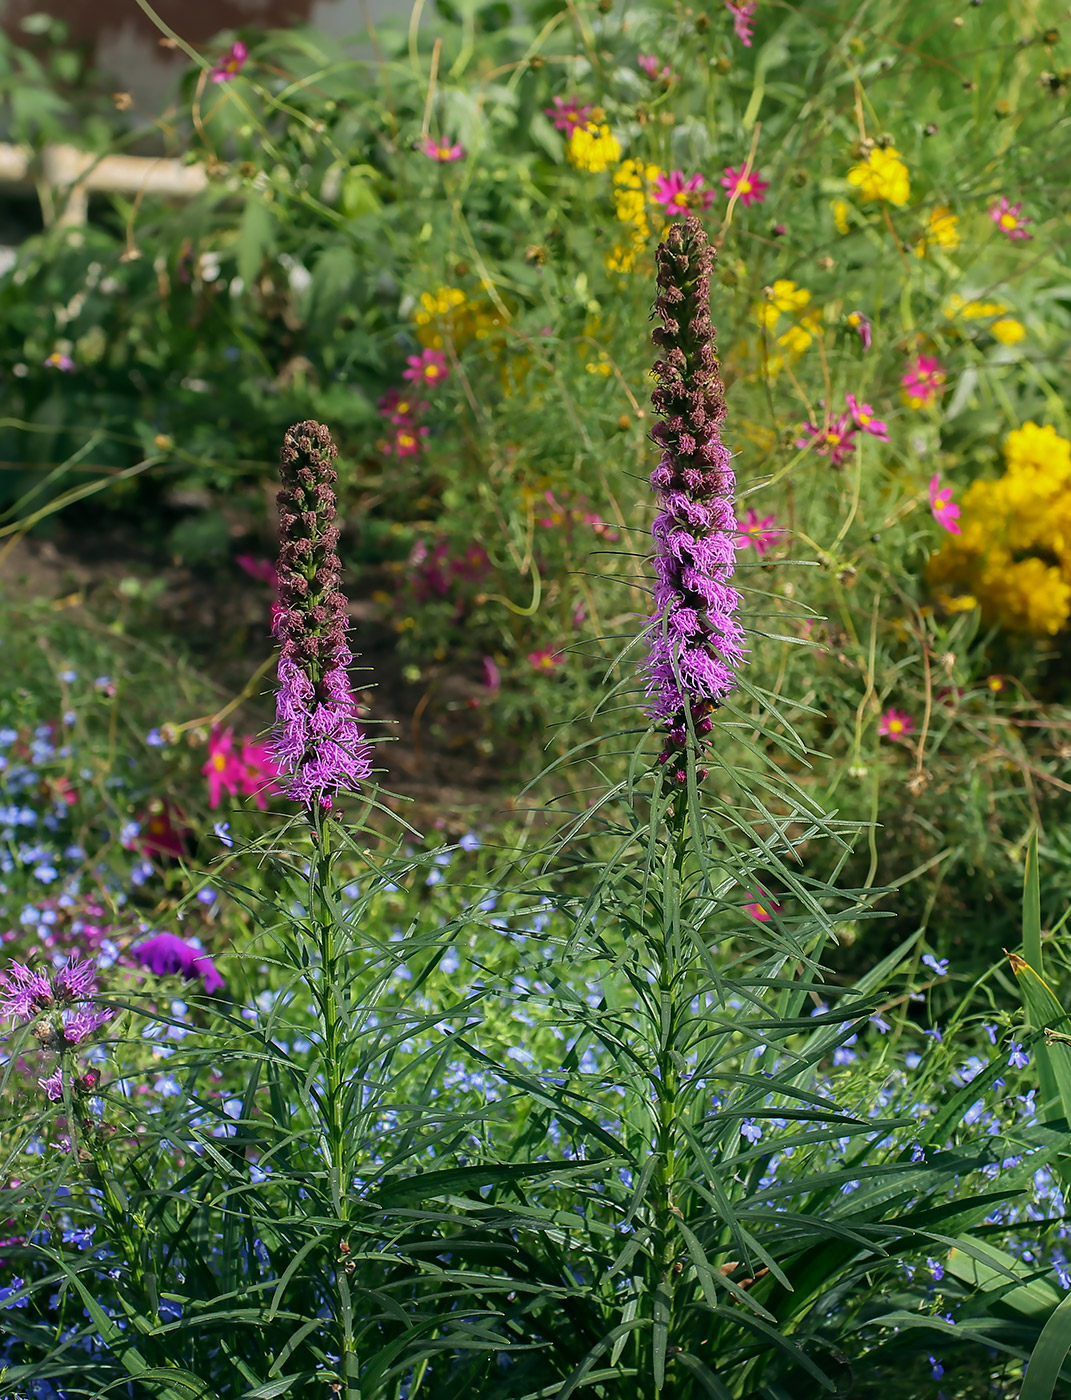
(695, 640)
(26, 993)
(319, 742)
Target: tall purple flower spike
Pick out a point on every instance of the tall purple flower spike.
(318, 744)
(696, 643)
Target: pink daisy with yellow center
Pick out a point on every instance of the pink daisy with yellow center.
(745, 185)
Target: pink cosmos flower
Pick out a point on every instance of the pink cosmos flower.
(945, 511)
(263, 570)
(441, 151)
(231, 64)
(861, 324)
(759, 533)
(224, 767)
(57, 360)
(407, 442)
(545, 660)
(1009, 219)
(895, 725)
(923, 381)
(259, 770)
(400, 408)
(761, 908)
(834, 440)
(429, 367)
(864, 418)
(567, 114)
(492, 677)
(649, 64)
(742, 12)
(745, 185)
(679, 195)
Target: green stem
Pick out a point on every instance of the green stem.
(332, 1015)
(662, 1276)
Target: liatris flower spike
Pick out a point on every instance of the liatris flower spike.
(695, 640)
(319, 744)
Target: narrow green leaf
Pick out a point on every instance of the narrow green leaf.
(1049, 1354)
(1034, 1298)
(1045, 1013)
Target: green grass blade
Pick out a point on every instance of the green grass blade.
(1049, 1354)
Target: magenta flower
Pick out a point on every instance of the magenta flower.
(167, 955)
(762, 534)
(861, 324)
(1010, 220)
(834, 440)
(318, 744)
(680, 195)
(567, 113)
(231, 64)
(263, 570)
(742, 12)
(695, 642)
(746, 185)
(945, 511)
(224, 768)
(865, 419)
(492, 677)
(923, 381)
(58, 360)
(429, 367)
(545, 659)
(407, 442)
(649, 64)
(259, 771)
(895, 725)
(761, 908)
(400, 408)
(442, 151)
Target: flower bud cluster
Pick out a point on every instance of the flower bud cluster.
(695, 640)
(319, 743)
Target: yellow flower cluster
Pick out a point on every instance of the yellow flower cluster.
(882, 174)
(785, 297)
(942, 230)
(1005, 329)
(593, 147)
(449, 314)
(633, 182)
(1014, 554)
